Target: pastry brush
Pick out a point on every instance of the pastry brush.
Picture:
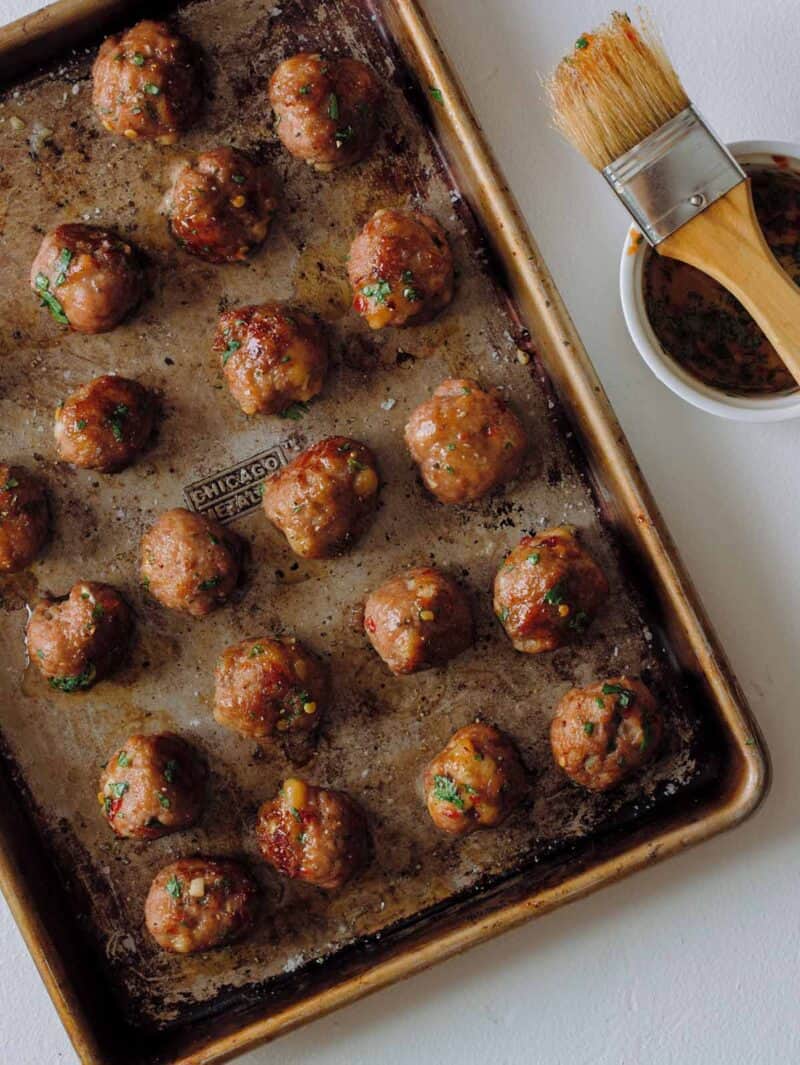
(619, 101)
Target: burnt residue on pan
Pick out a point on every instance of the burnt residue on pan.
(381, 730)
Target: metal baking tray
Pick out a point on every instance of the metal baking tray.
(76, 891)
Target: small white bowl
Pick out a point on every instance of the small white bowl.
(770, 408)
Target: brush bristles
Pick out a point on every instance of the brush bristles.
(617, 87)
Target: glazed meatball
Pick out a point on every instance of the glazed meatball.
(197, 904)
(605, 732)
(325, 109)
(475, 782)
(222, 205)
(79, 639)
(465, 441)
(146, 83)
(417, 620)
(313, 834)
(87, 277)
(400, 269)
(272, 356)
(24, 518)
(104, 425)
(323, 499)
(548, 590)
(270, 684)
(189, 562)
(151, 786)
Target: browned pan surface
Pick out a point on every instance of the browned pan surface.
(381, 730)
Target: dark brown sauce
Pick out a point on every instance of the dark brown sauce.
(702, 326)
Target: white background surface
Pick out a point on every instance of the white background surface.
(696, 961)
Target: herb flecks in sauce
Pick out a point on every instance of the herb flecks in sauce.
(702, 326)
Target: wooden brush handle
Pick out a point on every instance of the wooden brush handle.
(726, 242)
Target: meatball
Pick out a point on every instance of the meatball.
(323, 499)
(548, 590)
(475, 781)
(465, 441)
(222, 205)
(105, 424)
(325, 109)
(197, 904)
(313, 834)
(151, 786)
(272, 356)
(270, 684)
(189, 562)
(87, 277)
(400, 269)
(603, 733)
(24, 518)
(417, 620)
(78, 639)
(146, 83)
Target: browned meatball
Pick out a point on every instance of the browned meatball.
(146, 83)
(475, 781)
(151, 786)
(548, 590)
(76, 640)
(313, 834)
(189, 562)
(87, 277)
(104, 425)
(400, 268)
(272, 356)
(24, 518)
(197, 904)
(222, 205)
(465, 441)
(325, 109)
(323, 499)
(417, 620)
(270, 684)
(602, 733)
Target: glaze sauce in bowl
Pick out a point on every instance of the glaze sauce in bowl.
(702, 326)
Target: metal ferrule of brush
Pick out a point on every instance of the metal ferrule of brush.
(673, 175)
